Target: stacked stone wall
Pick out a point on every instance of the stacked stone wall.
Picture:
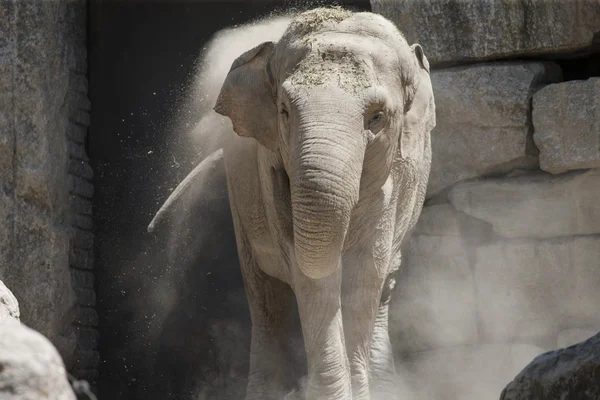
(505, 261)
(46, 227)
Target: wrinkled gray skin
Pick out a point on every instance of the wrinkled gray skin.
(325, 179)
(340, 112)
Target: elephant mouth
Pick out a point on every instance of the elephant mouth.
(283, 207)
(284, 183)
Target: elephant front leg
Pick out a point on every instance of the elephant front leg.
(270, 303)
(319, 305)
(361, 296)
(383, 369)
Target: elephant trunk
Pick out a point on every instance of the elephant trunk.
(326, 166)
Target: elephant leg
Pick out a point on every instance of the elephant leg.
(319, 306)
(383, 370)
(270, 303)
(361, 298)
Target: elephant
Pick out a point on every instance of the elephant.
(326, 168)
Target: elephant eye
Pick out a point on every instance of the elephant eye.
(284, 120)
(284, 112)
(377, 122)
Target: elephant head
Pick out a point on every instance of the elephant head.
(341, 98)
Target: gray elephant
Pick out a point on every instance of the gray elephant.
(326, 175)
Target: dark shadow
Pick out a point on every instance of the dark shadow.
(581, 68)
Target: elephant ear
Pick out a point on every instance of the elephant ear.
(419, 120)
(246, 97)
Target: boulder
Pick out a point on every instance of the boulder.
(566, 119)
(536, 205)
(453, 31)
(529, 289)
(30, 366)
(483, 125)
(572, 373)
(463, 372)
(9, 306)
(433, 304)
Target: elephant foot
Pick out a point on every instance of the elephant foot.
(298, 393)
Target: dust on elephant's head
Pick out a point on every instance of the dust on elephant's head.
(340, 98)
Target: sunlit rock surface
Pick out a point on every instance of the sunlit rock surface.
(566, 117)
(9, 306)
(483, 120)
(532, 288)
(30, 366)
(469, 30)
(534, 205)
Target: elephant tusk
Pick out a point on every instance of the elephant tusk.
(193, 178)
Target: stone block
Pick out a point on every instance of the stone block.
(535, 205)
(454, 31)
(530, 289)
(86, 317)
(433, 304)
(483, 125)
(463, 372)
(80, 187)
(566, 119)
(81, 169)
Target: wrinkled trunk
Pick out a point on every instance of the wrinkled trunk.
(326, 165)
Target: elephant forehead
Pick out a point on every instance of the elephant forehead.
(350, 61)
(345, 71)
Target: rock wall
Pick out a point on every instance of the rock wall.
(45, 179)
(504, 263)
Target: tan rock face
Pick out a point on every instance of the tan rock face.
(483, 125)
(532, 288)
(536, 205)
(458, 31)
(434, 302)
(30, 366)
(566, 118)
